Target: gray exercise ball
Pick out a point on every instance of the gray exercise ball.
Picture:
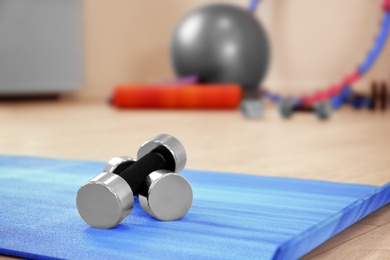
(221, 43)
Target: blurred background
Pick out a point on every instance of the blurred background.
(103, 43)
(313, 43)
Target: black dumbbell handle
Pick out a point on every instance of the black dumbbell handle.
(134, 173)
(302, 109)
(137, 172)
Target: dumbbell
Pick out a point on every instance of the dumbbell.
(358, 101)
(377, 100)
(287, 107)
(158, 193)
(104, 201)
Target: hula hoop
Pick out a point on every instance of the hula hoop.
(337, 89)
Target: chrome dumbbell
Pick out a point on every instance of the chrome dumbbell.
(323, 110)
(164, 194)
(104, 201)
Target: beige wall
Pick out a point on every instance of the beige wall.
(314, 42)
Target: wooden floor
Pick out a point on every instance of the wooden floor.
(353, 147)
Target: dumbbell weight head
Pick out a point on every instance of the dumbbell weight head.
(118, 164)
(323, 110)
(170, 147)
(104, 201)
(251, 108)
(166, 195)
(383, 96)
(286, 108)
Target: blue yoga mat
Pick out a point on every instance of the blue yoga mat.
(232, 216)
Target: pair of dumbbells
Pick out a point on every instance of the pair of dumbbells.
(376, 100)
(323, 110)
(104, 201)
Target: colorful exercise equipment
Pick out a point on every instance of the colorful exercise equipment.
(337, 89)
(221, 43)
(205, 96)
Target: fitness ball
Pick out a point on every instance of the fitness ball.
(221, 43)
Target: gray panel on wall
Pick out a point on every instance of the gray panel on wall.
(40, 46)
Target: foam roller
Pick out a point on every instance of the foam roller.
(177, 97)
